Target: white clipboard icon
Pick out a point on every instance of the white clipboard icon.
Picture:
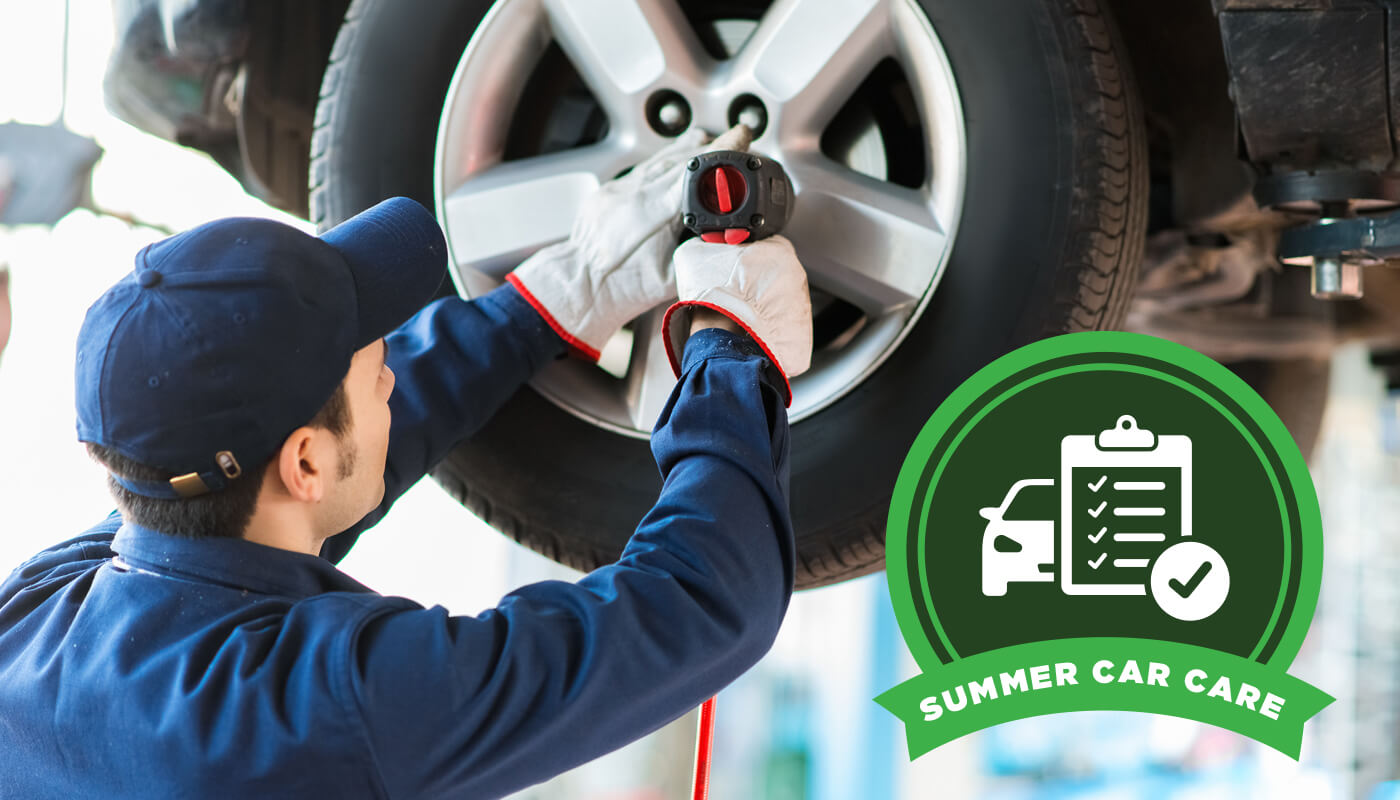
(1125, 445)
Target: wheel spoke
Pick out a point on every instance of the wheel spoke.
(810, 55)
(649, 376)
(876, 245)
(863, 240)
(621, 47)
(500, 216)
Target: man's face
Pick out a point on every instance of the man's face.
(358, 487)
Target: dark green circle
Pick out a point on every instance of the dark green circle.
(1234, 511)
(1269, 593)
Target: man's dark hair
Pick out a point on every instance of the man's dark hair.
(224, 513)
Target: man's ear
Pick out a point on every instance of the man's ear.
(299, 466)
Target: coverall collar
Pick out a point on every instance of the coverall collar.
(237, 563)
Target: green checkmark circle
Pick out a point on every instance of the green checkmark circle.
(1189, 581)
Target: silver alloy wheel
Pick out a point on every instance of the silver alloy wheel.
(876, 245)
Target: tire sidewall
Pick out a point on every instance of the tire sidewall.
(381, 99)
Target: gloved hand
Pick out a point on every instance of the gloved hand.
(616, 263)
(760, 285)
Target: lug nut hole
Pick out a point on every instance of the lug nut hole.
(668, 113)
(749, 110)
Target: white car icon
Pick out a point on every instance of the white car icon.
(1015, 549)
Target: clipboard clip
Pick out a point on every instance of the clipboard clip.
(1126, 435)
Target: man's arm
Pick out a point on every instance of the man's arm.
(456, 363)
(614, 266)
(703, 318)
(560, 673)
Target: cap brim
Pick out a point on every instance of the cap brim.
(398, 257)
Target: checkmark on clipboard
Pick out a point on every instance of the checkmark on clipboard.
(1125, 496)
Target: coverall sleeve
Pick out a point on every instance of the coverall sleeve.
(560, 673)
(456, 363)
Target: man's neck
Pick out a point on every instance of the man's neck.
(275, 528)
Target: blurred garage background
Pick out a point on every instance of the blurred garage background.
(800, 725)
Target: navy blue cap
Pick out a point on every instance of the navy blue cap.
(226, 338)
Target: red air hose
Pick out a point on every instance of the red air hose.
(704, 743)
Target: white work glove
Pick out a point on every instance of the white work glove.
(616, 263)
(760, 285)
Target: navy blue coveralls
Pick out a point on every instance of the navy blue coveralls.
(135, 663)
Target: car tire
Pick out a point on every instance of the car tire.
(1051, 233)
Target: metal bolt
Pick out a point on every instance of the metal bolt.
(672, 116)
(753, 117)
(755, 162)
(748, 110)
(1334, 279)
(689, 220)
(756, 220)
(693, 165)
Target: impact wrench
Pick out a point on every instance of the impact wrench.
(730, 197)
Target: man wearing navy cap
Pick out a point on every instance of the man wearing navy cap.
(260, 397)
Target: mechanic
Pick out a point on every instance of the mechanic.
(261, 396)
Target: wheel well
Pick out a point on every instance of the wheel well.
(1191, 120)
(280, 82)
(1204, 223)
(1193, 140)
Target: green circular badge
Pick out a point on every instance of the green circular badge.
(1125, 513)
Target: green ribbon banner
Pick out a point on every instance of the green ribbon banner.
(1256, 700)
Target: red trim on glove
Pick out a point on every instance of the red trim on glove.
(579, 346)
(676, 364)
